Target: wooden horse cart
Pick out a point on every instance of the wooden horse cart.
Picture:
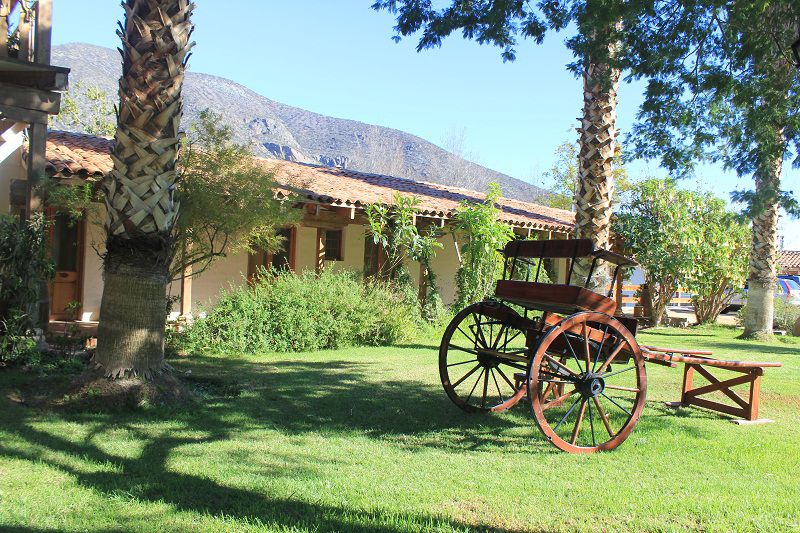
(560, 347)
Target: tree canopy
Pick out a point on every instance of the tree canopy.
(503, 23)
(722, 87)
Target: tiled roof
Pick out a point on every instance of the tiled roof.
(74, 154)
(789, 259)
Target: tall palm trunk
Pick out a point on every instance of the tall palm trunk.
(598, 133)
(139, 193)
(763, 256)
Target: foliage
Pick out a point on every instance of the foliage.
(482, 234)
(227, 199)
(785, 317)
(285, 312)
(502, 23)
(654, 226)
(394, 229)
(562, 178)
(73, 200)
(17, 345)
(718, 245)
(96, 118)
(24, 260)
(721, 87)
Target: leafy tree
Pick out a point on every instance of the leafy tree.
(563, 178)
(723, 87)
(227, 200)
(654, 227)
(482, 234)
(394, 229)
(94, 118)
(595, 48)
(718, 246)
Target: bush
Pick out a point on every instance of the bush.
(786, 315)
(289, 313)
(24, 260)
(17, 345)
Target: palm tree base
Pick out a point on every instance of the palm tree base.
(130, 335)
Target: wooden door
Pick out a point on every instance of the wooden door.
(66, 244)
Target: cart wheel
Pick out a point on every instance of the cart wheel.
(482, 349)
(599, 404)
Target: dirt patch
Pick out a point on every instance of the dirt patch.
(91, 391)
(207, 386)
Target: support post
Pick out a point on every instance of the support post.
(320, 250)
(44, 22)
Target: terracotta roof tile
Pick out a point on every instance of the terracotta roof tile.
(71, 154)
(789, 258)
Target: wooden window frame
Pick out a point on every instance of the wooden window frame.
(261, 258)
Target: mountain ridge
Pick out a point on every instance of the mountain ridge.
(280, 131)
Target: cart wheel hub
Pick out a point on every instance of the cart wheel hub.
(590, 385)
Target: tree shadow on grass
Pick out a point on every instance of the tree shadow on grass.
(294, 397)
(148, 478)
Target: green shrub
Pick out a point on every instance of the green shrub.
(293, 313)
(786, 315)
(17, 345)
(24, 260)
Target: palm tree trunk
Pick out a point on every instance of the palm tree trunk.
(598, 133)
(139, 193)
(760, 309)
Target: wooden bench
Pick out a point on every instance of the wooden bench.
(697, 361)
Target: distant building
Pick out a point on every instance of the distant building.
(330, 235)
(789, 262)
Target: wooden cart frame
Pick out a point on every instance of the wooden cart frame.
(560, 347)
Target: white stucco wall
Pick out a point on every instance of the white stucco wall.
(445, 265)
(94, 239)
(305, 249)
(11, 168)
(221, 274)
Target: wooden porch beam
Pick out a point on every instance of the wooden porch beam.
(18, 114)
(29, 98)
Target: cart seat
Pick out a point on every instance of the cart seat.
(562, 299)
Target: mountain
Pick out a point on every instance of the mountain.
(280, 131)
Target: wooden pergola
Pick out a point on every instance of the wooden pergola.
(29, 86)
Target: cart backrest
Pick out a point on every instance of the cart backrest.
(571, 248)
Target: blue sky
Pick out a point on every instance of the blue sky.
(338, 58)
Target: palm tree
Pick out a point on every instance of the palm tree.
(597, 141)
(597, 148)
(139, 193)
(760, 309)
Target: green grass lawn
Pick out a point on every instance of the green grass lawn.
(366, 440)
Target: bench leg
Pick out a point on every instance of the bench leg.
(755, 395)
(746, 409)
(688, 380)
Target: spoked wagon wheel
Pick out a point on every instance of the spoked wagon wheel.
(598, 367)
(482, 349)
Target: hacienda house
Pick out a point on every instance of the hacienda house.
(330, 235)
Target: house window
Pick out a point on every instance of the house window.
(280, 259)
(333, 245)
